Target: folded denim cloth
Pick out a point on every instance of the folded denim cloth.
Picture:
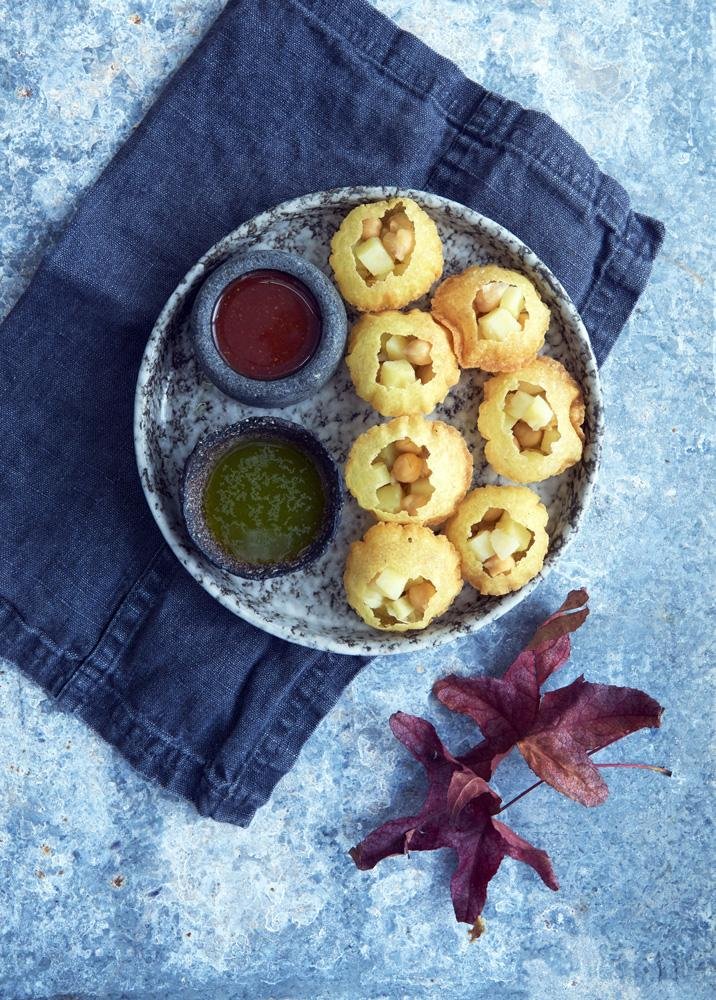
(94, 607)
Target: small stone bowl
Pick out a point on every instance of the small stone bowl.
(304, 382)
(201, 463)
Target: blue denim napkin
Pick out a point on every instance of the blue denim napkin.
(281, 98)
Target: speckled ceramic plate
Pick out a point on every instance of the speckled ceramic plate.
(176, 405)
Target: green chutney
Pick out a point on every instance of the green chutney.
(264, 502)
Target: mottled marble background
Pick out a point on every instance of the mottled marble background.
(109, 887)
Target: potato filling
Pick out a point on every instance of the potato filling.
(404, 360)
(393, 598)
(498, 541)
(402, 477)
(385, 246)
(532, 419)
(500, 310)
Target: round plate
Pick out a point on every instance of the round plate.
(176, 405)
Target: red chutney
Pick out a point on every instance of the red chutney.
(266, 324)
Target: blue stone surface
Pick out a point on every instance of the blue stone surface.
(111, 887)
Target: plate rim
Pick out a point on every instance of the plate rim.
(420, 640)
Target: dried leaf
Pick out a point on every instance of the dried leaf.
(458, 812)
(504, 708)
(577, 719)
(554, 732)
(559, 625)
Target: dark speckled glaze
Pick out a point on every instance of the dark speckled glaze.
(207, 453)
(176, 405)
(310, 377)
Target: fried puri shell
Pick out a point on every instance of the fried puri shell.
(364, 348)
(448, 458)
(415, 553)
(453, 306)
(408, 280)
(502, 449)
(526, 508)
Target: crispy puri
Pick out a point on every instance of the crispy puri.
(409, 470)
(401, 362)
(500, 534)
(532, 420)
(400, 577)
(496, 317)
(386, 254)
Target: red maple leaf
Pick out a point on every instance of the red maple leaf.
(548, 650)
(555, 732)
(458, 812)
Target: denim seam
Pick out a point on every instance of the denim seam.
(420, 87)
(144, 722)
(91, 667)
(100, 679)
(96, 670)
(604, 284)
(292, 704)
(37, 634)
(476, 124)
(641, 251)
(222, 790)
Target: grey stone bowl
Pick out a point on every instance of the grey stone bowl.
(313, 374)
(201, 463)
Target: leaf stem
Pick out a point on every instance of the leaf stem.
(512, 801)
(646, 767)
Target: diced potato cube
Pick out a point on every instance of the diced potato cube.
(395, 347)
(550, 436)
(481, 545)
(401, 609)
(498, 325)
(418, 352)
(388, 454)
(373, 597)
(381, 474)
(539, 414)
(397, 374)
(374, 257)
(390, 498)
(488, 297)
(411, 502)
(526, 437)
(504, 542)
(513, 300)
(495, 566)
(505, 521)
(421, 488)
(517, 404)
(390, 583)
(371, 227)
(522, 535)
